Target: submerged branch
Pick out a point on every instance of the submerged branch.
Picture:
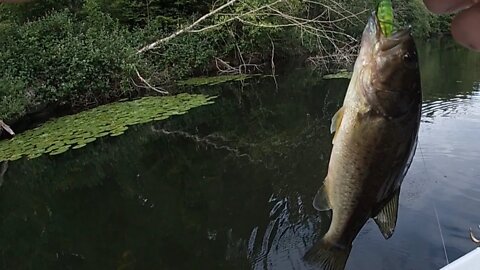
(3, 170)
(236, 152)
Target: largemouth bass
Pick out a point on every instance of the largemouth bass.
(374, 143)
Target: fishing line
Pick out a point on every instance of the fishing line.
(434, 207)
(441, 234)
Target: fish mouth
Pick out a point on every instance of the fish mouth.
(399, 37)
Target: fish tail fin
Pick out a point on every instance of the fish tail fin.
(327, 256)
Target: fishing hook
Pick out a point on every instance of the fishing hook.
(474, 239)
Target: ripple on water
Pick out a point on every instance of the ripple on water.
(444, 108)
(284, 241)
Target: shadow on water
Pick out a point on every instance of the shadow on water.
(230, 185)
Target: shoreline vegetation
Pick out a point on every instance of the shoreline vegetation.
(72, 55)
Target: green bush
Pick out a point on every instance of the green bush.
(13, 98)
(424, 23)
(62, 59)
(141, 12)
(35, 9)
(83, 52)
(185, 56)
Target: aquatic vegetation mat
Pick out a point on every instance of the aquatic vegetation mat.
(341, 74)
(76, 131)
(213, 80)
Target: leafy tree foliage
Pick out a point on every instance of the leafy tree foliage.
(81, 53)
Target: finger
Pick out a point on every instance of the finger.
(465, 27)
(448, 6)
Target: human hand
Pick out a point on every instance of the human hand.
(466, 24)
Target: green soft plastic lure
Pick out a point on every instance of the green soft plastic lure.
(385, 16)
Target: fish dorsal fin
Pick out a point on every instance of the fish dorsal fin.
(321, 201)
(387, 217)
(336, 121)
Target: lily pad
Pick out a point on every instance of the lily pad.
(117, 134)
(78, 146)
(198, 81)
(15, 157)
(76, 131)
(89, 140)
(103, 134)
(341, 74)
(60, 150)
(35, 155)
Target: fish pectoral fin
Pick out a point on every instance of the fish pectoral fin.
(336, 121)
(321, 201)
(387, 217)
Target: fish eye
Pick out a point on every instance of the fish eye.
(410, 59)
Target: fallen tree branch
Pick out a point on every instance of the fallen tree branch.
(6, 128)
(325, 29)
(344, 56)
(149, 86)
(237, 17)
(186, 29)
(225, 68)
(272, 63)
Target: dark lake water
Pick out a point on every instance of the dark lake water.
(230, 185)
